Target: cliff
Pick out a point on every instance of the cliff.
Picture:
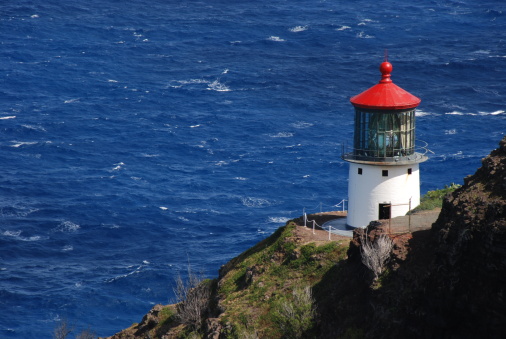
(447, 281)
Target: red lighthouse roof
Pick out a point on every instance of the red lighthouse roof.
(385, 95)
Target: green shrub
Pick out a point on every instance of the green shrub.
(434, 199)
(295, 316)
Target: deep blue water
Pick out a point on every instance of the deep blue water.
(138, 135)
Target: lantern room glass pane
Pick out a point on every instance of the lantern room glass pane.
(384, 134)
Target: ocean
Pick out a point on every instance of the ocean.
(137, 137)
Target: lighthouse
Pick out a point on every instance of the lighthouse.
(384, 174)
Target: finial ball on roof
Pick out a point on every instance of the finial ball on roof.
(386, 68)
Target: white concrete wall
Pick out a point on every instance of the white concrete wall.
(368, 190)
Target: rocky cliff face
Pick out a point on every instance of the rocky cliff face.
(466, 281)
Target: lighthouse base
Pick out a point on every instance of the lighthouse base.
(381, 192)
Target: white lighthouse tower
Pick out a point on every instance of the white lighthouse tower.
(384, 176)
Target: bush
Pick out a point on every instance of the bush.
(434, 199)
(193, 296)
(294, 317)
(375, 254)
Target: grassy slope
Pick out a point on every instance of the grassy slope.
(266, 274)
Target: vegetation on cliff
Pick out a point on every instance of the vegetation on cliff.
(266, 292)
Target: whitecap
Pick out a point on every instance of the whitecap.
(118, 166)
(216, 85)
(275, 38)
(22, 143)
(111, 226)
(420, 113)
(34, 16)
(493, 113)
(482, 51)
(278, 220)
(17, 235)
(255, 202)
(460, 113)
(451, 131)
(282, 135)
(225, 71)
(181, 83)
(35, 128)
(67, 226)
(194, 126)
(240, 178)
(135, 271)
(67, 248)
(301, 124)
(71, 101)
(306, 176)
(112, 80)
(8, 117)
(12, 233)
(297, 29)
(163, 208)
(362, 35)
(342, 28)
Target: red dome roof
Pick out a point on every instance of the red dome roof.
(385, 95)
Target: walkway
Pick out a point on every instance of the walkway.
(404, 224)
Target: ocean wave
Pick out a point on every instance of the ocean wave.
(459, 113)
(420, 113)
(181, 83)
(118, 166)
(67, 226)
(278, 220)
(8, 117)
(492, 113)
(301, 124)
(282, 135)
(17, 235)
(22, 143)
(275, 38)
(498, 112)
(137, 270)
(7, 212)
(363, 35)
(297, 29)
(255, 202)
(216, 85)
(342, 28)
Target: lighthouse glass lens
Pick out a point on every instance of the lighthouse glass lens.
(382, 134)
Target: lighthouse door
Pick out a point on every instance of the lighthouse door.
(384, 211)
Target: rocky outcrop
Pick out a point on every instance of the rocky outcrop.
(445, 282)
(467, 280)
